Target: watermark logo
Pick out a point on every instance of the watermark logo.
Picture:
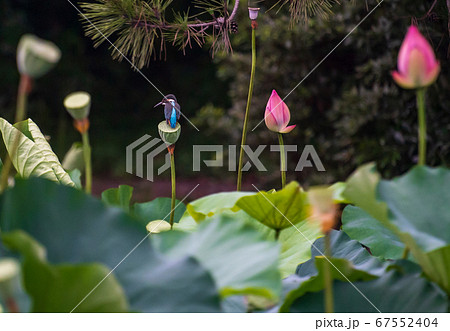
(141, 153)
(308, 158)
(148, 148)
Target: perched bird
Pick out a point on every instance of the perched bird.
(171, 110)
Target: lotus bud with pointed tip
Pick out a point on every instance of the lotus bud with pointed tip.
(277, 115)
(417, 64)
(168, 134)
(78, 104)
(35, 56)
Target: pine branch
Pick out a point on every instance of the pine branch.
(140, 25)
(302, 10)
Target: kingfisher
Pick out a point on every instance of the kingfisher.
(171, 110)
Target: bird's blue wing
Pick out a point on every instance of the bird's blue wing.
(173, 117)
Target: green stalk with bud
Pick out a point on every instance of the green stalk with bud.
(78, 105)
(170, 136)
(253, 14)
(35, 58)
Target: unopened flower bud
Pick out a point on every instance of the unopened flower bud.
(323, 207)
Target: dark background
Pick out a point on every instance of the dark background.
(349, 108)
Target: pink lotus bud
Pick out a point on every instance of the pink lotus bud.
(277, 115)
(417, 64)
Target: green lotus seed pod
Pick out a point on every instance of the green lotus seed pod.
(158, 226)
(168, 134)
(35, 56)
(78, 104)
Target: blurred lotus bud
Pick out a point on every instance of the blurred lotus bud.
(323, 207)
(9, 271)
(35, 56)
(277, 115)
(158, 226)
(417, 64)
(253, 13)
(78, 104)
(169, 135)
(74, 158)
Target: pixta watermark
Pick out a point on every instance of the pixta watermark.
(141, 153)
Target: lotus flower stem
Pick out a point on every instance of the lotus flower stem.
(21, 112)
(328, 280)
(249, 101)
(283, 160)
(87, 161)
(422, 126)
(172, 175)
(277, 233)
(405, 253)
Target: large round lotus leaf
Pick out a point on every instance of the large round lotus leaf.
(77, 228)
(418, 204)
(370, 232)
(375, 286)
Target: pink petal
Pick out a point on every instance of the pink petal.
(279, 109)
(414, 40)
(274, 100)
(288, 129)
(432, 75)
(270, 120)
(403, 81)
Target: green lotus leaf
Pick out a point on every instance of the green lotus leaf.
(158, 209)
(393, 292)
(34, 155)
(119, 197)
(237, 256)
(376, 286)
(277, 210)
(76, 228)
(370, 232)
(215, 203)
(63, 287)
(418, 204)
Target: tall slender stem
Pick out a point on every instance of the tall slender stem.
(277, 233)
(422, 126)
(249, 100)
(282, 160)
(21, 113)
(87, 162)
(328, 280)
(172, 175)
(405, 253)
